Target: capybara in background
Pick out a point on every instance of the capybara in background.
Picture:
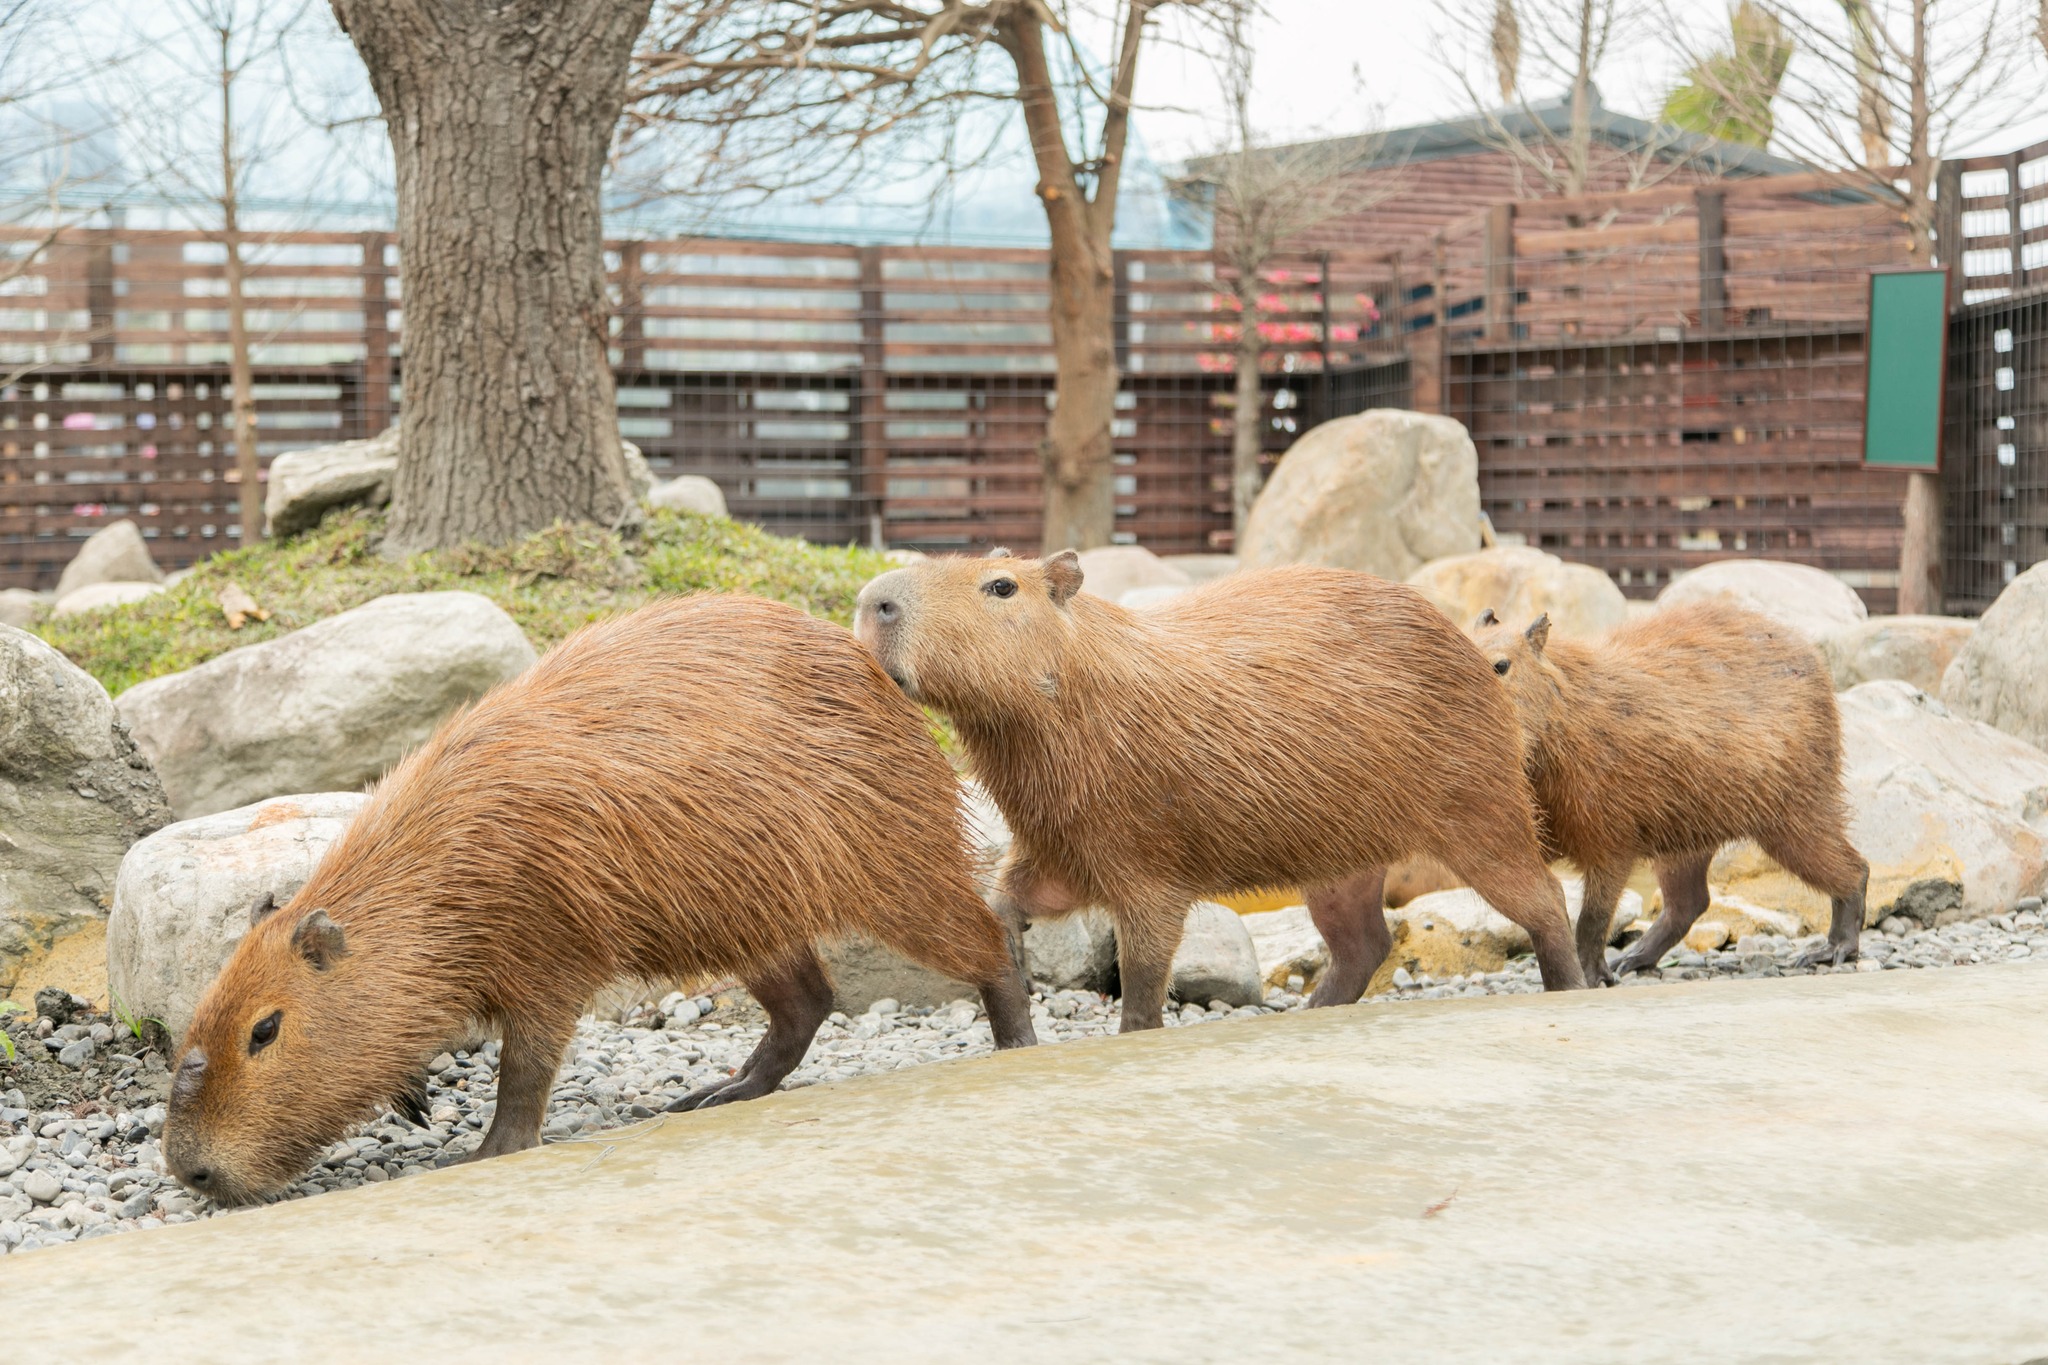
(1292, 727)
(1669, 737)
(705, 785)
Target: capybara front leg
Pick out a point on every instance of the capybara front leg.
(1147, 937)
(1352, 918)
(1604, 886)
(797, 997)
(528, 1059)
(1526, 893)
(1684, 883)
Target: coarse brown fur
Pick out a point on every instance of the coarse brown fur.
(706, 785)
(1296, 727)
(1669, 737)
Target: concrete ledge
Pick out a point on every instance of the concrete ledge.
(1824, 1169)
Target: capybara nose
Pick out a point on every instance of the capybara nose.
(886, 611)
(199, 1178)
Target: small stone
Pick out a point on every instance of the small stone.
(885, 1007)
(77, 1053)
(1402, 980)
(41, 1186)
(442, 1062)
(376, 1174)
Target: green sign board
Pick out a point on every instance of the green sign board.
(1908, 362)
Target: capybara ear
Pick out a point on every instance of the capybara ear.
(320, 940)
(261, 910)
(1486, 618)
(1062, 576)
(1538, 633)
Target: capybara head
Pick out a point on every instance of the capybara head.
(276, 1063)
(973, 636)
(1531, 679)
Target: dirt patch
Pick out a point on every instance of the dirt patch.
(123, 1071)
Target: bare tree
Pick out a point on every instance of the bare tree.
(1879, 90)
(501, 115)
(847, 74)
(1265, 199)
(1539, 54)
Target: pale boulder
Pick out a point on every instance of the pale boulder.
(1158, 594)
(1519, 583)
(19, 606)
(1202, 568)
(327, 708)
(1951, 814)
(2001, 675)
(94, 596)
(1287, 944)
(74, 794)
(116, 553)
(182, 901)
(1811, 601)
(691, 493)
(1913, 649)
(1216, 959)
(1457, 933)
(1384, 492)
(1073, 952)
(1114, 570)
(305, 485)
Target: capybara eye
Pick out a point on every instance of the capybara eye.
(1501, 667)
(1000, 587)
(265, 1032)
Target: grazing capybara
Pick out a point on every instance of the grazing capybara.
(1669, 737)
(705, 785)
(1292, 727)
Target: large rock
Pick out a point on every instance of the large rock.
(1811, 601)
(2001, 676)
(307, 484)
(1202, 568)
(1114, 570)
(93, 596)
(116, 553)
(326, 708)
(1520, 583)
(1144, 599)
(18, 607)
(183, 898)
(688, 493)
(1385, 492)
(1073, 952)
(1950, 813)
(1914, 649)
(74, 794)
(1216, 959)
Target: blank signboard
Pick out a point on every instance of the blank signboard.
(1907, 360)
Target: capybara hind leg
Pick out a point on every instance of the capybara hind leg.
(528, 1059)
(1604, 886)
(1351, 917)
(968, 942)
(1530, 896)
(1826, 862)
(1684, 884)
(1146, 939)
(797, 996)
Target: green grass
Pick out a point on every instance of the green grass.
(550, 583)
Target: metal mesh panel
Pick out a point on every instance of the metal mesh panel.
(1995, 480)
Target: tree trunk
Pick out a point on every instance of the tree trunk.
(1921, 591)
(1079, 461)
(1248, 427)
(500, 116)
(241, 374)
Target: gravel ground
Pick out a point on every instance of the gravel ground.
(80, 1120)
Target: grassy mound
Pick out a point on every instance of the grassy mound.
(549, 583)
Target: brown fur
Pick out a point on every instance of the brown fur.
(1670, 737)
(1297, 727)
(706, 785)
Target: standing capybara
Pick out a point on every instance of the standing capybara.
(708, 784)
(1670, 737)
(1295, 727)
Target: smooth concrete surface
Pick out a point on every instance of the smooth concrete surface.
(1824, 1169)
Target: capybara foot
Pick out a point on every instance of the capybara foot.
(1330, 991)
(1830, 953)
(702, 1097)
(1138, 1020)
(1598, 973)
(493, 1145)
(1634, 960)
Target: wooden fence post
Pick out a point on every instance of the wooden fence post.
(1711, 208)
(1500, 273)
(871, 401)
(632, 309)
(1921, 591)
(377, 369)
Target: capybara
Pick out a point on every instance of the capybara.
(705, 785)
(1292, 727)
(1669, 737)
